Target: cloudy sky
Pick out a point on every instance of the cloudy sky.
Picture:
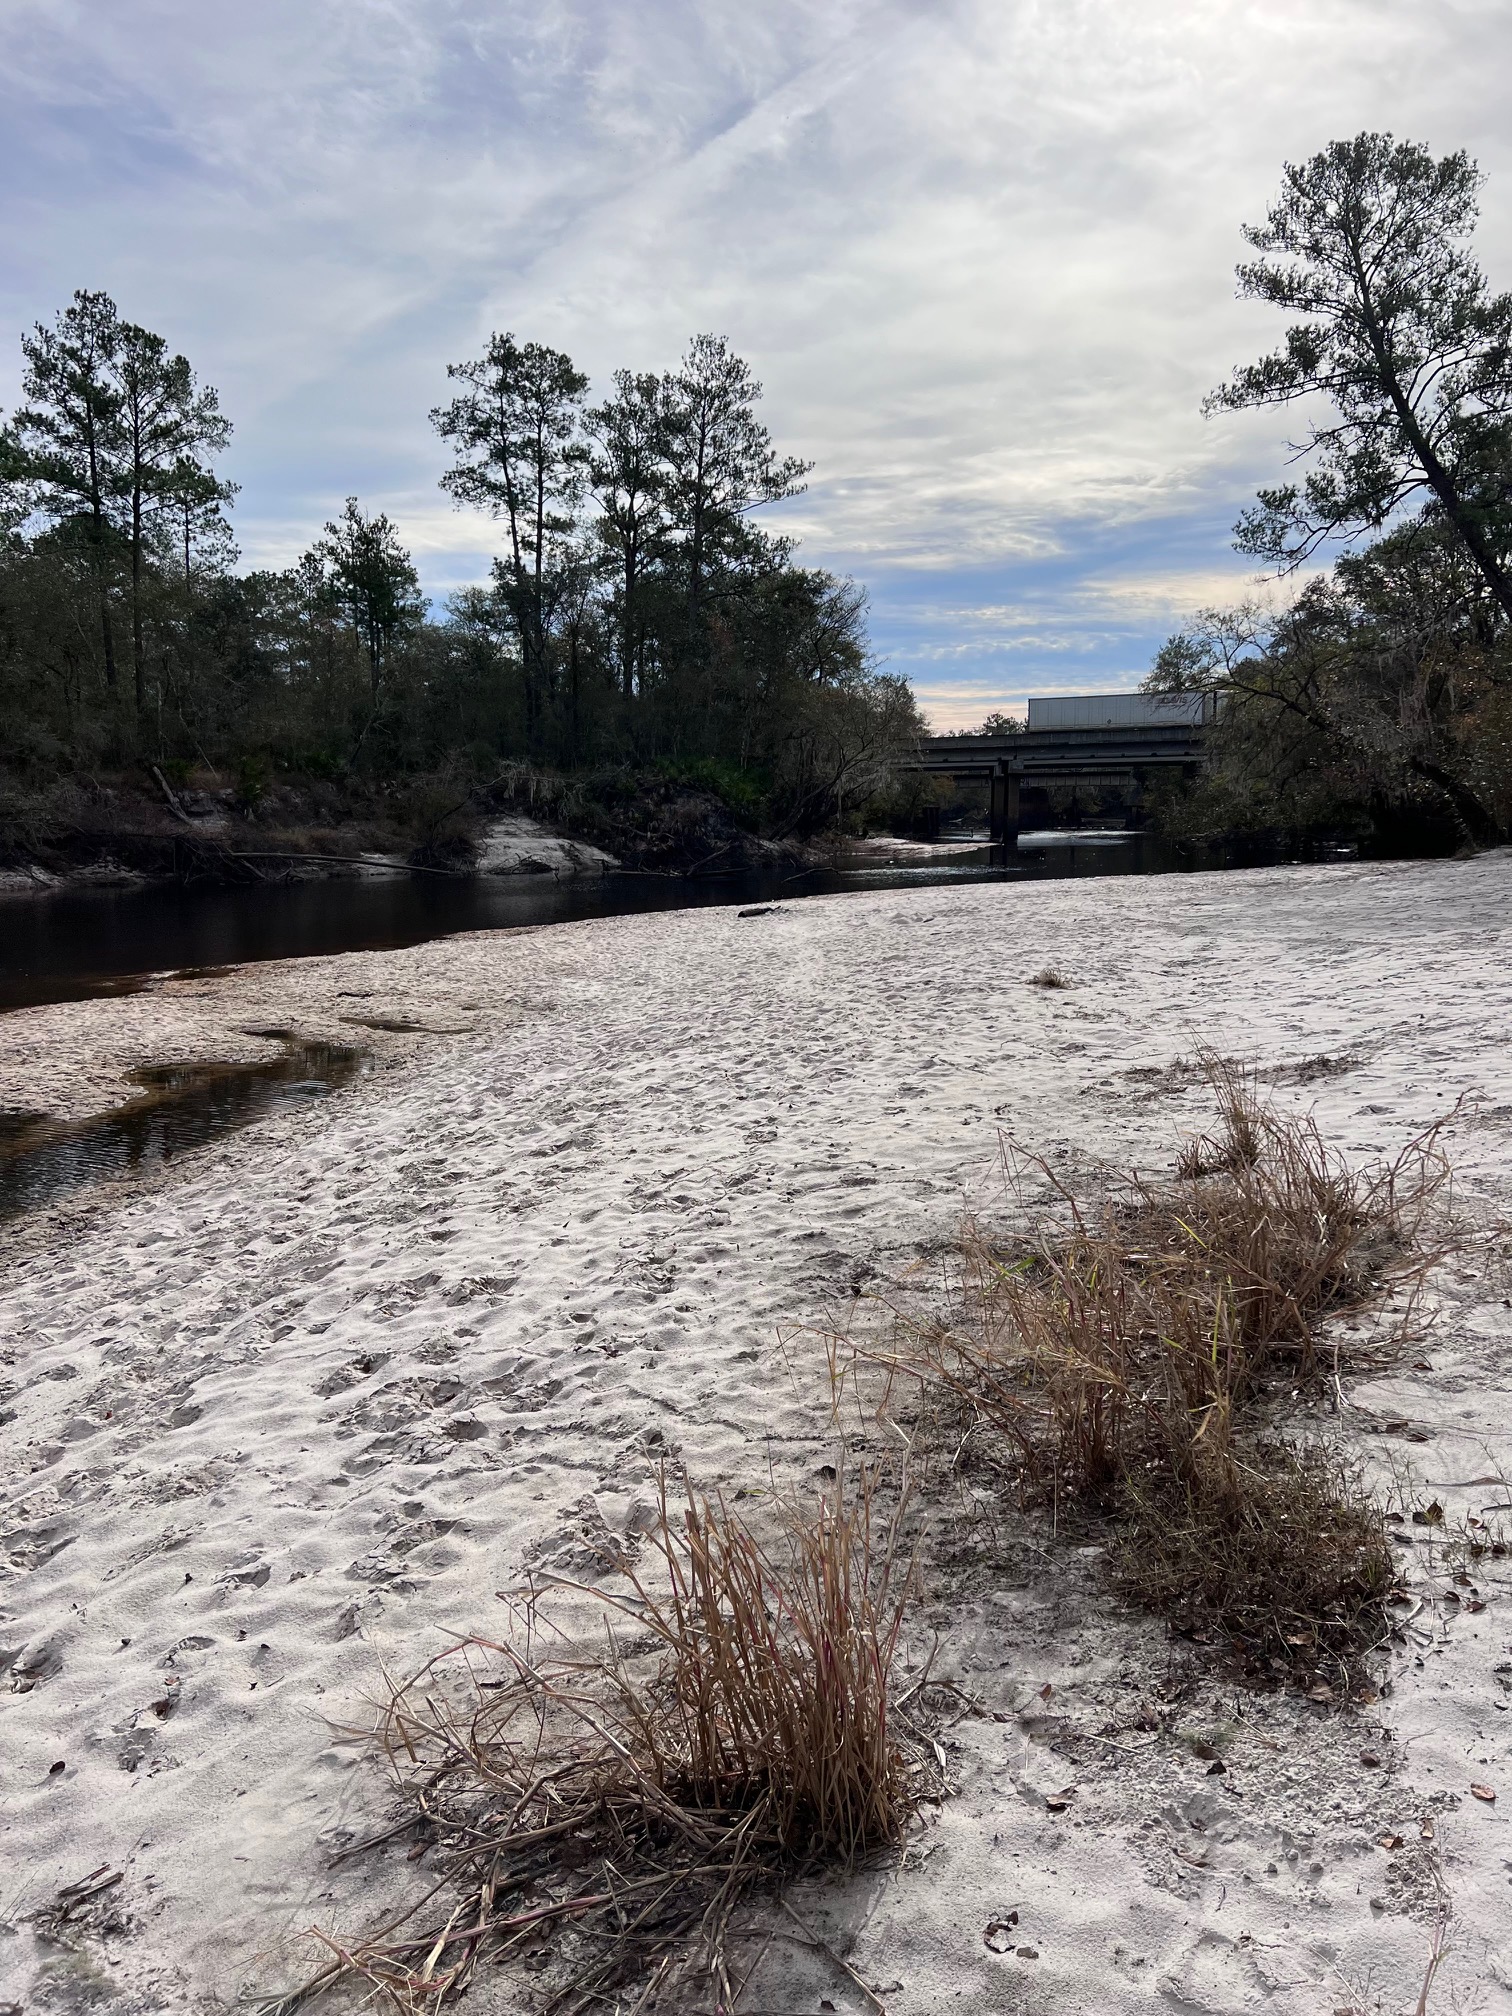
(980, 253)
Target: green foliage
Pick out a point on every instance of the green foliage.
(1380, 701)
(110, 449)
(742, 790)
(372, 578)
(636, 618)
(254, 778)
(1402, 337)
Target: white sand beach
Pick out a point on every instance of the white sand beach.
(292, 1410)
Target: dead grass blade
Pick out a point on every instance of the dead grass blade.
(1118, 1356)
(606, 1815)
(773, 1696)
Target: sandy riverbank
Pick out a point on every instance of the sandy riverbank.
(300, 1407)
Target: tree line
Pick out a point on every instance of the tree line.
(640, 613)
(637, 612)
(1380, 694)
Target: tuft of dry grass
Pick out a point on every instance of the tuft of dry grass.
(772, 1699)
(1050, 976)
(1119, 1356)
(1241, 1123)
(606, 1815)
(1273, 1224)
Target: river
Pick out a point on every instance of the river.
(79, 943)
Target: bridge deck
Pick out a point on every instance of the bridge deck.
(1040, 755)
(1059, 752)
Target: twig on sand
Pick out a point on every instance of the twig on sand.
(1436, 1958)
(823, 1946)
(377, 1840)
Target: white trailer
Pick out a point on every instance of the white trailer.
(1123, 710)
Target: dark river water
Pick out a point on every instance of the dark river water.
(71, 946)
(68, 946)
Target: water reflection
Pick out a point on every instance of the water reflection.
(182, 1107)
(66, 947)
(83, 943)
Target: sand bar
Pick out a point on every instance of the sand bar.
(300, 1405)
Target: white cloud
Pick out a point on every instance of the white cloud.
(958, 709)
(980, 251)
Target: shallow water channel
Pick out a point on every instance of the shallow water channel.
(78, 944)
(180, 1107)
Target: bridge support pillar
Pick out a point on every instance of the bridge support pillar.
(1003, 822)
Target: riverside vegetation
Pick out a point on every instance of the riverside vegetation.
(1380, 697)
(642, 642)
(640, 631)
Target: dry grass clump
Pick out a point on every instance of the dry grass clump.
(771, 1701)
(1106, 1342)
(1276, 1548)
(1117, 1356)
(602, 1817)
(1268, 1221)
(1049, 976)
(1241, 1125)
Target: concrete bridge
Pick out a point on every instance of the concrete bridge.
(1079, 738)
